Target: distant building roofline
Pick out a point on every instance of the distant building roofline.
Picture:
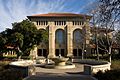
(100, 29)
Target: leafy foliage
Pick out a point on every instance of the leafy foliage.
(44, 36)
(23, 36)
(28, 30)
(17, 39)
(2, 43)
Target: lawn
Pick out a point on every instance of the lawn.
(7, 73)
(115, 64)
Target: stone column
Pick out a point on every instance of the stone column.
(69, 42)
(51, 42)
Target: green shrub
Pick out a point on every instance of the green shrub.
(108, 75)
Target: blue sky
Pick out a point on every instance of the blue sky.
(16, 10)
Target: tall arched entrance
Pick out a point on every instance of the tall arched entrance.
(60, 43)
(43, 46)
(77, 42)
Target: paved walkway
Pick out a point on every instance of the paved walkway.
(60, 74)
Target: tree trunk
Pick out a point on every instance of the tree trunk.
(83, 50)
(109, 52)
(97, 50)
(19, 58)
(97, 53)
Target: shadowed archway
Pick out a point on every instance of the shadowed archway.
(77, 42)
(43, 46)
(60, 43)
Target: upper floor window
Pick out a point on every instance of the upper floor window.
(42, 22)
(60, 22)
(78, 22)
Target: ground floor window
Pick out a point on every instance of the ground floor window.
(42, 52)
(93, 51)
(59, 52)
(77, 52)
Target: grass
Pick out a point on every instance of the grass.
(4, 65)
(7, 73)
(115, 64)
(113, 74)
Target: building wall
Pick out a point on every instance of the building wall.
(68, 28)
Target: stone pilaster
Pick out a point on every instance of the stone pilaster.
(69, 41)
(51, 42)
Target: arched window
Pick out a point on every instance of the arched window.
(60, 43)
(77, 36)
(60, 36)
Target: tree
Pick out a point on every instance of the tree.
(108, 15)
(23, 37)
(103, 44)
(118, 37)
(2, 43)
(29, 32)
(5, 40)
(12, 39)
(95, 22)
(44, 38)
(43, 34)
(17, 40)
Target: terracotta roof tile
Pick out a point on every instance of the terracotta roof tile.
(59, 15)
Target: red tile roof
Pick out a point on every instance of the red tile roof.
(60, 15)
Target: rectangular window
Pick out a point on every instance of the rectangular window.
(78, 22)
(42, 22)
(82, 22)
(73, 23)
(37, 22)
(55, 22)
(64, 22)
(60, 22)
(46, 22)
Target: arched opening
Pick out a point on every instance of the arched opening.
(43, 46)
(77, 43)
(60, 43)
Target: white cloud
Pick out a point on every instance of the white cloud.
(16, 10)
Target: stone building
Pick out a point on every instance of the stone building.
(68, 33)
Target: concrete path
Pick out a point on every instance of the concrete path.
(60, 74)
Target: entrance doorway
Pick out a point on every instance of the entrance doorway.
(60, 42)
(59, 52)
(77, 52)
(42, 52)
